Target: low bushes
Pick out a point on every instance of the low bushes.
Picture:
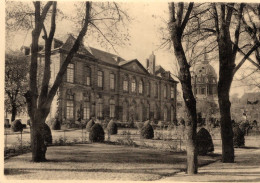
(204, 142)
(96, 133)
(89, 125)
(112, 127)
(17, 126)
(147, 132)
(239, 138)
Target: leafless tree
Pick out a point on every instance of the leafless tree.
(39, 99)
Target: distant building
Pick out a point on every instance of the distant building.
(204, 87)
(204, 81)
(103, 85)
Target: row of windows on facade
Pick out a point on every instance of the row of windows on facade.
(204, 80)
(209, 90)
(70, 78)
(87, 106)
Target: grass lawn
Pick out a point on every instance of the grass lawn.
(100, 162)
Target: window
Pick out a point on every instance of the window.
(112, 109)
(148, 111)
(100, 109)
(88, 75)
(86, 107)
(69, 105)
(165, 91)
(100, 79)
(165, 114)
(141, 87)
(133, 86)
(148, 89)
(156, 90)
(112, 81)
(202, 90)
(125, 84)
(70, 73)
(172, 92)
(86, 110)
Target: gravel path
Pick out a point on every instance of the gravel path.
(245, 169)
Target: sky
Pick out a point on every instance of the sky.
(145, 37)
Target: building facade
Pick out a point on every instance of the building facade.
(103, 85)
(204, 81)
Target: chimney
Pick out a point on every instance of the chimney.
(151, 64)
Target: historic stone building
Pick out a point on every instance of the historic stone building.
(204, 86)
(204, 81)
(103, 85)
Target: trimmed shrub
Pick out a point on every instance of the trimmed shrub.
(89, 125)
(56, 125)
(96, 133)
(204, 142)
(17, 126)
(112, 127)
(239, 138)
(47, 134)
(147, 132)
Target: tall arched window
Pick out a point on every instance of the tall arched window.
(148, 111)
(156, 90)
(112, 108)
(70, 73)
(100, 108)
(133, 85)
(70, 105)
(86, 107)
(125, 111)
(100, 79)
(141, 84)
(87, 75)
(172, 92)
(165, 111)
(125, 84)
(165, 91)
(112, 81)
(148, 89)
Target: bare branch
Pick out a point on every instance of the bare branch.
(186, 18)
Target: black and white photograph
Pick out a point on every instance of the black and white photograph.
(130, 91)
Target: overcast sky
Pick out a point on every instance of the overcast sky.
(143, 29)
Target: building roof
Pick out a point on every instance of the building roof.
(105, 56)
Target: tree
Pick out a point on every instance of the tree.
(177, 24)
(16, 82)
(219, 26)
(39, 99)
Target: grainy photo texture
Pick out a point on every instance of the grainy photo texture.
(132, 91)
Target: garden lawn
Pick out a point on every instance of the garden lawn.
(100, 162)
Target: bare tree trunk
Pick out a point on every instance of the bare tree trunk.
(224, 84)
(37, 140)
(14, 112)
(39, 106)
(176, 27)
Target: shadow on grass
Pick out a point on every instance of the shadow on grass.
(239, 180)
(153, 171)
(248, 147)
(15, 171)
